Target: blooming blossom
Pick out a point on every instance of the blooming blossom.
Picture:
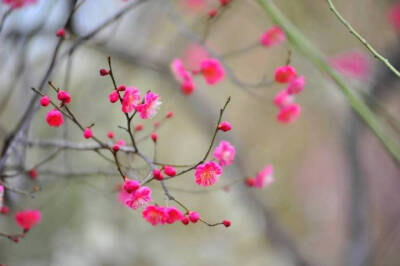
(18, 3)
(182, 76)
(225, 153)
(155, 214)
(149, 107)
(54, 118)
(285, 74)
(212, 71)
(138, 198)
(283, 99)
(296, 86)
(207, 174)
(273, 36)
(173, 215)
(130, 100)
(28, 218)
(289, 113)
(264, 177)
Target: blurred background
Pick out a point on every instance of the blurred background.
(335, 196)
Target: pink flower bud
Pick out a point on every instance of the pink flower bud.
(169, 114)
(121, 88)
(194, 217)
(154, 137)
(113, 96)
(110, 134)
(64, 97)
(169, 171)
(87, 133)
(45, 100)
(227, 223)
(157, 174)
(54, 118)
(60, 33)
(104, 72)
(225, 126)
(33, 174)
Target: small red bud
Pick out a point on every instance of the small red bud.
(121, 88)
(139, 127)
(250, 181)
(157, 174)
(225, 126)
(45, 100)
(33, 174)
(185, 220)
(212, 13)
(110, 134)
(61, 33)
(4, 210)
(154, 137)
(194, 217)
(116, 148)
(169, 114)
(104, 72)
(227, 223)
(87, 133)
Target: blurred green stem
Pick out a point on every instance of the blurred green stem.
(315, 56)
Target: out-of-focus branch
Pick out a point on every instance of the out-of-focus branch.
(315, 56)
(375, 53)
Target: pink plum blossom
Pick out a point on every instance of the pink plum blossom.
(273, 36)
(207, 174)
(212, 71)
(130, 100)
(149, 107)
(224, 153)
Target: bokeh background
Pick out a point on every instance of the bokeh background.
(335, 196)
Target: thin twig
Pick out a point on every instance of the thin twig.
(375, 53)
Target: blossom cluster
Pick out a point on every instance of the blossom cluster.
(210, 68)
(284, 100)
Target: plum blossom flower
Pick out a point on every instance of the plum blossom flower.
(273, 36)
(207, 174)
(149, 107)
(182, 76)
(296, 86)
(225, 153)
(283, 99)
(27, 219)
(285, 74)
(212, 71)
(264, 177)
(173, 215)
(18, 3)
(289, 113)
(155, 215)
(54, 118)
(138, 198)
(352, 64)
(130, 100)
